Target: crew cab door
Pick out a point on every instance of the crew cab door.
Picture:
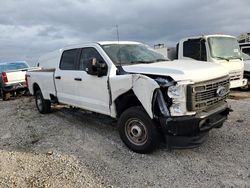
(92, 91)
(64, 77)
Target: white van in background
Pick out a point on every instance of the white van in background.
(246, 59)
(221, 49)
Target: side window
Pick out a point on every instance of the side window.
(87, 55)
(195, 48)
(68, 60)
(246, 50)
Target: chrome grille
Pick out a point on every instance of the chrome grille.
(235, 75)
(204, 95)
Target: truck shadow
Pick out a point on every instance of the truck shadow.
(237, 94)
(15, 96)
(65, 126)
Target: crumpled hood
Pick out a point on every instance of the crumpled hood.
(180, 70)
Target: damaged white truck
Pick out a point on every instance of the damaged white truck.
(151, 98)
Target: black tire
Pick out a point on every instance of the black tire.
(43, 106)
(138, 131)
(246, 87)
(5, 95)
(26, 92)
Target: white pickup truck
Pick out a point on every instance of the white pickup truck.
(244, 42)
(221, 49)
(245, 47)
(246, 59)
(12, 78)
(129, 81)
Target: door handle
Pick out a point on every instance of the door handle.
(77, 79)
(58, 77)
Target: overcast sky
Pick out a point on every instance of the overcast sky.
(30, 28)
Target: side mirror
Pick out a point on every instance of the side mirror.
(95, 67)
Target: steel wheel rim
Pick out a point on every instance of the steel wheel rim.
(136, 131)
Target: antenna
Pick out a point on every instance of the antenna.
(117, 33)
(118, 40)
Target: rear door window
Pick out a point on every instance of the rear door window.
(195, 49)
(68, 59)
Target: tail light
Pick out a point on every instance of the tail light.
(4, 77)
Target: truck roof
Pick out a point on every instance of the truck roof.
(207, 36)
(116, 42)
(244, 44)
(51, 56)
(98, 42)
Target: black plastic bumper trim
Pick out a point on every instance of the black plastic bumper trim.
(191, 131)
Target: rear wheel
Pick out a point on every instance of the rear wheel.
(43, 106)
(138, 131)
(5, 95)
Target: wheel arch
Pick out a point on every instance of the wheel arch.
(125, 101)
(36, 87)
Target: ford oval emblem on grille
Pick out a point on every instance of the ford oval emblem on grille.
(221, 91)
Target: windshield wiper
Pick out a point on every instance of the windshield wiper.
(235, 57)
(158, 60)
(140, 61)
(218, 57)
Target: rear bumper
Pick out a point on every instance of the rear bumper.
(191, 131)
(15, 87)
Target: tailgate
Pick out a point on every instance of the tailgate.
(15, 77)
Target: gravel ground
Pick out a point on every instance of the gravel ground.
(72, 148)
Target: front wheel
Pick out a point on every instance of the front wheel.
(43, 106)
(246, 87)
(138, 131)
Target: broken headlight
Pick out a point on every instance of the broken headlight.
(179, 102)
(176, 91)
(178, 109)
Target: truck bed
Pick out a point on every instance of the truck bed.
(45, 78)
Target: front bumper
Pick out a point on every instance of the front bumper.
(238, 83)
(191, 131)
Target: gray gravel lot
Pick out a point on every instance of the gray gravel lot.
(71, 148)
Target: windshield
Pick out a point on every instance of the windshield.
(127, 54)
(13, 66)
(224, 48)
(245, 56)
